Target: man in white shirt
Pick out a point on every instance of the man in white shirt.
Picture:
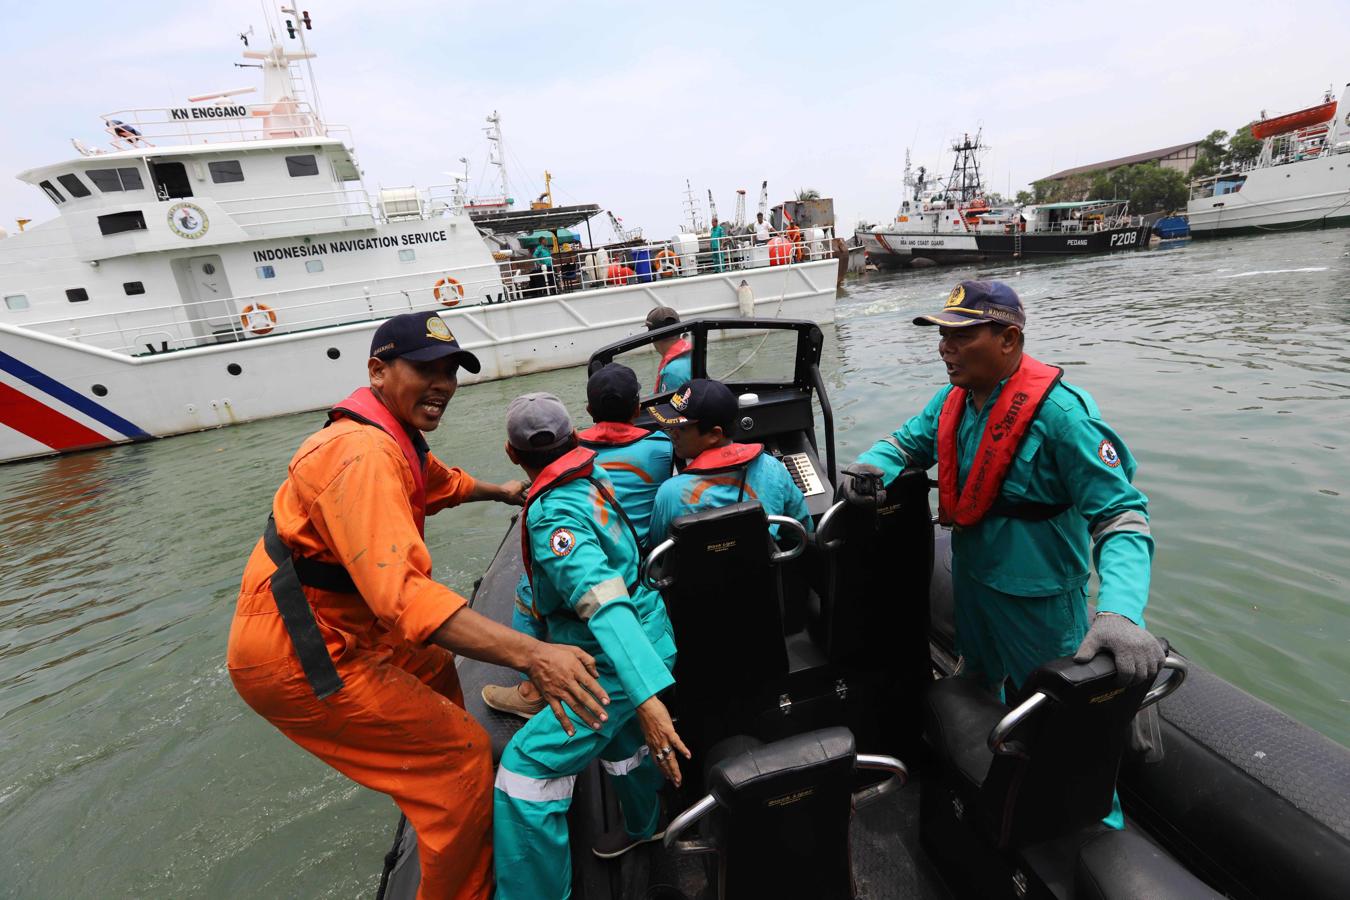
(762, 232)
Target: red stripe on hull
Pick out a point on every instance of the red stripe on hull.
(44, 424)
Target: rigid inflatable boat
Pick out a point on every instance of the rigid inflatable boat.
(835, 755)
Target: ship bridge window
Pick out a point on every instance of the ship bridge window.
(300, 166)
(16, 301)
(171, 180)
(112, 180)
(133, 288)
(77, 295)
(226, 171)
(116, 223)
(73, 184)
(50, 190)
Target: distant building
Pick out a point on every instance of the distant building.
(1180, 157)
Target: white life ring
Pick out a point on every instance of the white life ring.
(258, 318)
(454, 291)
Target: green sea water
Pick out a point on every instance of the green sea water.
(129, 767)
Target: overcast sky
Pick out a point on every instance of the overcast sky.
(624, 101)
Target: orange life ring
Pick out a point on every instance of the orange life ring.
(667, 263)
(454, 291)
(258, 318)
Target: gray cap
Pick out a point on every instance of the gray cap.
(537, 421)
(661, 317)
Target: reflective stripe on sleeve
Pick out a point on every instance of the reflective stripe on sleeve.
(891, 439)
(624, 766)
(1126, 521)
(598, 596)
(534, 790)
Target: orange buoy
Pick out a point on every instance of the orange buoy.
(258, 318)
(780, 251)
(453, 291)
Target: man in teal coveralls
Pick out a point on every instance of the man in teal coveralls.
(700, 419)
(637, 462)
(1020, 565)
(583, 558)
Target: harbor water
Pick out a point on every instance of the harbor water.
(129, 767)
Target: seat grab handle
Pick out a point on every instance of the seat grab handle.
(899, 778)
(649, 566)
(683, 821)
(779, 556)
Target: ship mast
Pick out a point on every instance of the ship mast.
(964, 183)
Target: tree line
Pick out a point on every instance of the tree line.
(1149, 187)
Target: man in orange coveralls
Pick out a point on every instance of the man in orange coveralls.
(341, 637)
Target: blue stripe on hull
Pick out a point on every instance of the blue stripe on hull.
(69, 397)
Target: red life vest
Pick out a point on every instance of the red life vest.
(679, 348)
(612, 434)
(1008, 424)
(576, 463)
(724, 459)
(365, 407)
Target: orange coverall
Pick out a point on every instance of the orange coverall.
(398, 724)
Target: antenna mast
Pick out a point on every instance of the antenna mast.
(497, 152)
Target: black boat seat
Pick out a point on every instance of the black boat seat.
(1124, 865)
(779, 814)
(1049, 767)
(873, 621)
(718, 574)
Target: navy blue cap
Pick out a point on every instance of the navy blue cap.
(701, 400)
(612, 393)
(420, 337)
(978, 303)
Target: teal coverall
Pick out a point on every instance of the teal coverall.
(675, 374)
(585, 564)
(719, 258)
(766, 480)
(1020, 587)
(636, 469)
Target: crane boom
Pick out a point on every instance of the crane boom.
(764, 199)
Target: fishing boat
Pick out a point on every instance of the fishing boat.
(220, 261)
(1300, 179)
(951, 221)
(836, 756)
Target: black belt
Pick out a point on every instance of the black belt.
(296, 613)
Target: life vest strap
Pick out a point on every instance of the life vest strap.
(298, 617)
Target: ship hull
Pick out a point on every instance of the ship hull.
(1312, 193)
(894, 249)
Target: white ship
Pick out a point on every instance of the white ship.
(223, 262)
(1300, 179)
(952, 222)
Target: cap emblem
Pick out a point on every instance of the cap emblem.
(957, 295)
(436, 328)
(679, 401)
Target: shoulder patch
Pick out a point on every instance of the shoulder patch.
(1106, 452)
(561, 542)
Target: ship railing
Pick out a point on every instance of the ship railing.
(262, 216)
(186, 324)
(213, 123)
